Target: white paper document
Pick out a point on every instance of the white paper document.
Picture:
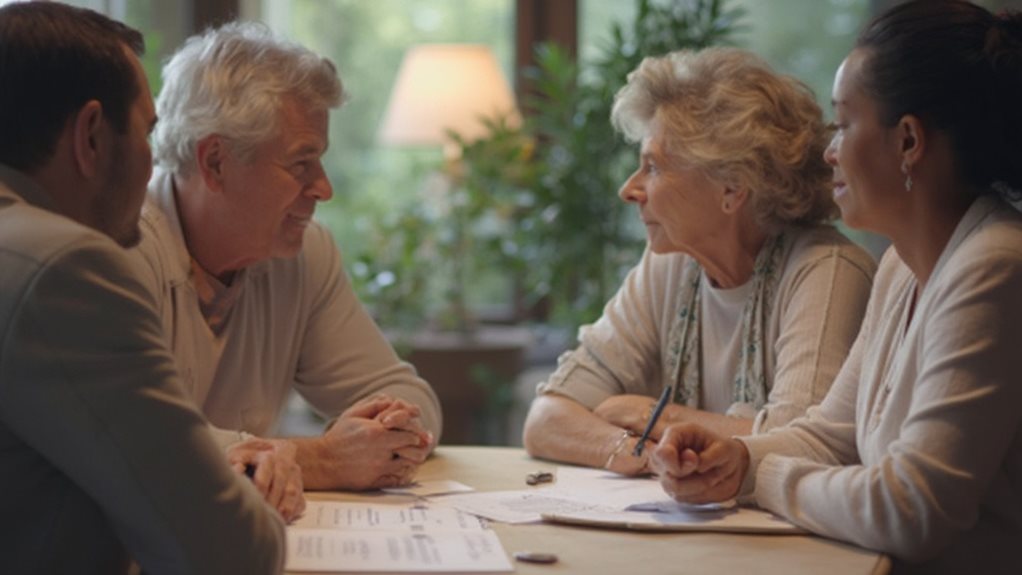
(390, 551)
(335, 536)
(600, 498)
(575, 490)
(608, 488)
(429, 488)
(681, 518)
(525, 506)
(352, 516)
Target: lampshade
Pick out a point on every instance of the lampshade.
(444, 87)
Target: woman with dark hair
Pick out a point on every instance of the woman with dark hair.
(917, 449)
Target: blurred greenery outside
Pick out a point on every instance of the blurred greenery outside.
(366, 40)
(147, 17)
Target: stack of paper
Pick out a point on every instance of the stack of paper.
(600, 498)
(341, 536)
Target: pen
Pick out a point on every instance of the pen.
(660, 404)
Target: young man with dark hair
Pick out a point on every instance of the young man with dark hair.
(103, 459)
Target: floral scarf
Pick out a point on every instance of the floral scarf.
(684, 345)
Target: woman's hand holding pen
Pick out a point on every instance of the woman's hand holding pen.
(620, 456)
(631, 412)
(697, 466)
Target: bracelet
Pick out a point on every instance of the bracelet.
(617, 448)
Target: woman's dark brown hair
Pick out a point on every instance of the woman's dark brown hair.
(958, 68)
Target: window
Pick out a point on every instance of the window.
(163, 24)
(809, 46)
(366, 41)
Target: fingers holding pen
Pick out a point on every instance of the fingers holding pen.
(678, 452)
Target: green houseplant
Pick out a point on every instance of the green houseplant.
(429, 255)
(534, 205)
(580, 238)
(427, 259)
(536, 201)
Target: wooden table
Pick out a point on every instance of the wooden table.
(612, 552)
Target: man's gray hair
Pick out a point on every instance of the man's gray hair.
(233, 81)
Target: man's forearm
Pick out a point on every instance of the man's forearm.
(319, 469)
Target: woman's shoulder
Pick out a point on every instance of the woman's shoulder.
(984, 265)
(811, 245)
(997, 234)
(989, 234)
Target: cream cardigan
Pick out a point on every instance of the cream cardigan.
(917, 449)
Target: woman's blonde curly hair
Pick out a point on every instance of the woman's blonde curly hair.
(727, 114)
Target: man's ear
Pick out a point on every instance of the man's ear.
(89, 132)
(210, 155)
(911, 140)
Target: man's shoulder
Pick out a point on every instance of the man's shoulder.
(312, 270)
(317, 254)
(40, 248)
(160, 253)
(36, 235)
(155, 226)
(318, 242)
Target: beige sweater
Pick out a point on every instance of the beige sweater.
(818, 307)
(917, 449)
(296, 324)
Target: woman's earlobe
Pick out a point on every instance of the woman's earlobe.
(912, 137)
(733, 199)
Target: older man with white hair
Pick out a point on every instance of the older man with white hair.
(251, 290)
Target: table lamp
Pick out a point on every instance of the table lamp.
(443, 87)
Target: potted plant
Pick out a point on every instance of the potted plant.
(534, 204)
(427, 260)
(579, 238)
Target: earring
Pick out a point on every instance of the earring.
(908, 176)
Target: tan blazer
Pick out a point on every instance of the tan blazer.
(103, 459)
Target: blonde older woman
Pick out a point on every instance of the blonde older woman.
(745, 303)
